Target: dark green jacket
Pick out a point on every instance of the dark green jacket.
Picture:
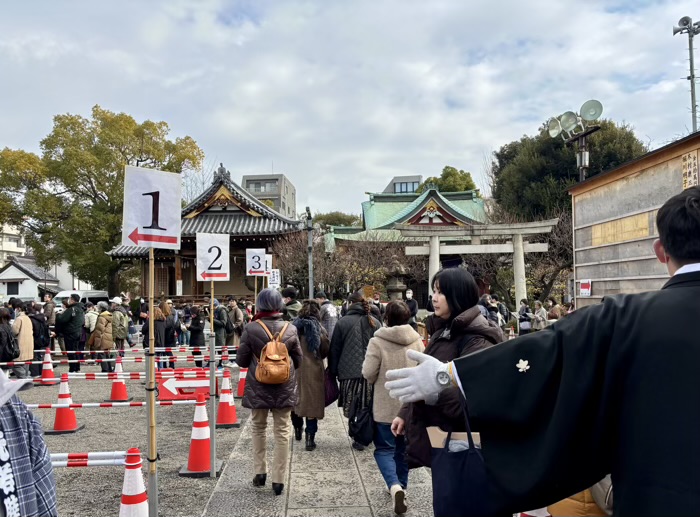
(70, 322)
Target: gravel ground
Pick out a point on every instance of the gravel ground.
(96, 491)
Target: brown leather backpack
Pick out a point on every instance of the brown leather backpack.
(274, 365)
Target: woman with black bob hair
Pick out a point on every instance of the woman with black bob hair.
(457, 328)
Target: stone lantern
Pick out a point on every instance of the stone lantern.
(396, 276)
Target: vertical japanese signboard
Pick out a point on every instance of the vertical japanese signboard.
(689, 168)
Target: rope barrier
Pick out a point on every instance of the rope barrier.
(135, 376)
(89, 463)
(174, 358)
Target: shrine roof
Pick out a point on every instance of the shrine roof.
(384, 210)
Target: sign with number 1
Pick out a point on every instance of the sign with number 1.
(152, 205)
(213, 256)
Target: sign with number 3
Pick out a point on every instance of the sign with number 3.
(213, 256)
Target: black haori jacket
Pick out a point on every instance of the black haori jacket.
(600, 391)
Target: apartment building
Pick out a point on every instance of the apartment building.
(274, 188)
(11, 244)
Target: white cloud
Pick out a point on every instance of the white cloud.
(344, 95)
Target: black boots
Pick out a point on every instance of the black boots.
(259, 480)
(310, 443)
(297, 433)
(277, 488)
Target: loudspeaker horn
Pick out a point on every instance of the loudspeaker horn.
(591, 110)
(684, 22)
(568, 121)
(554, 128)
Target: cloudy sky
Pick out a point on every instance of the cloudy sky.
(343, 95)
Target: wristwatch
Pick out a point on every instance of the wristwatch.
(443, 378)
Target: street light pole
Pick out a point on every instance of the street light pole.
(310, 230)
(686, 25)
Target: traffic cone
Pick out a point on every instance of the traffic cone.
(119, 393)
(511, 334)
(242, 374)
(134, 496)
(226, 415)
(65, 421)
(199, 461)
(48, 378)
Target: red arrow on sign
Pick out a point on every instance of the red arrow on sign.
(142, 237)
(214, 275)
(255, 272)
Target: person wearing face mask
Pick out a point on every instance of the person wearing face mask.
(457, 329)
(413, 307)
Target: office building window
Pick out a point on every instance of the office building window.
(259, 187)
(403, 187)
(12, 288)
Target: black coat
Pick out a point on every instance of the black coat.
(158, 333)
(467, 333)
(197, 331)
(605, 392)
(349, 343)
(254, 338)
(70, 322)
(40, 330)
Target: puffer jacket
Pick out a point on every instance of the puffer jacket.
(254, 338)
(467, 333)
(349, 343)
(102, 338)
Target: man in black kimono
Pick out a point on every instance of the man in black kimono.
(612, 388)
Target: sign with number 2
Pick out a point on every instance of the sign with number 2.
(213, 256)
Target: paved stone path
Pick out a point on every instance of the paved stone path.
(333, 481)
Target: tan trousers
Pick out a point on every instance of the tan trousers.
(282, 428)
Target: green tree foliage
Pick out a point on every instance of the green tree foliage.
(451, 180)
(336, 219)
(530, 176)
(68, 201)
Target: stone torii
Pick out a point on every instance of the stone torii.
(472, 236)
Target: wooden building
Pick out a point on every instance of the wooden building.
(614, 220)
(224, 207)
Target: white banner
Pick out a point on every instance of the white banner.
(275, 281)
(255, 262)
(213, 256)
(268, 265)
(152, 205)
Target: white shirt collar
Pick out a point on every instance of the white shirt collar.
(688, 268)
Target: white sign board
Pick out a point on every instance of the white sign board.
(213, 256)
(255, 262)
(152, 205)
(585, 288)
(268, 265)
(275, 280)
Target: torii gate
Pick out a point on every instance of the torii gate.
(475, 233)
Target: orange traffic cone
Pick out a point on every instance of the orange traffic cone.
(226, 415)
(511, 334)
(119, 393)
(199, 461)
(242, 374)
(65, 421)
(48, 378)
(134, 496)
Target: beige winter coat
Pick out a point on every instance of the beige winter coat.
(22, 328)
(387, 351)
(102, 337)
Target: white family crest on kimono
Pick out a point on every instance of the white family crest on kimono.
(522, 366)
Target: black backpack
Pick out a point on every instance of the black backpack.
(228, 326)
(10, 347)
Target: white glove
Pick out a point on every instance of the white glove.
(418, 383)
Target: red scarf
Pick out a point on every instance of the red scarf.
(263, 314)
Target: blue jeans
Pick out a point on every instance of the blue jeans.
(390, 455)
(184, 338)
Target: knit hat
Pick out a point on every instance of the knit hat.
(321, 294)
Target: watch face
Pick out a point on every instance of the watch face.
(443, 378)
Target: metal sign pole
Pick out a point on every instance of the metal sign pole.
(212, 387)
(151, 395)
